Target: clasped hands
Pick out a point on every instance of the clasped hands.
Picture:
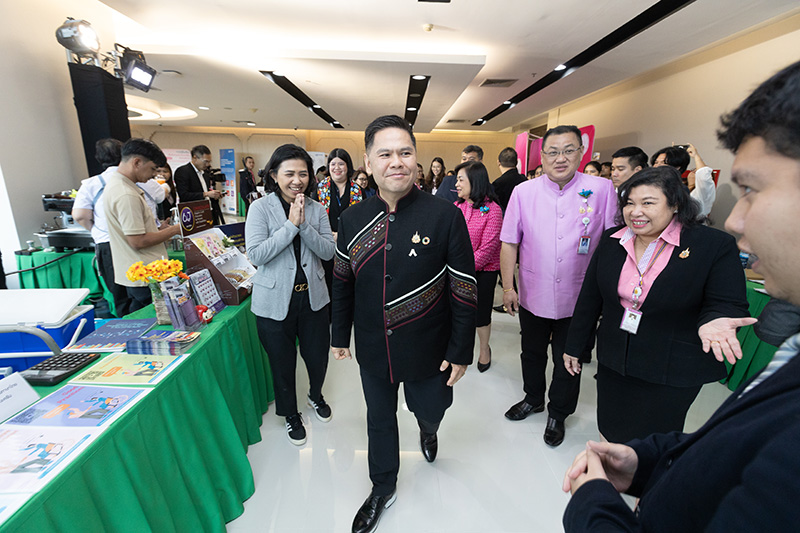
(297, 210)
(615, 463)
(456, 371)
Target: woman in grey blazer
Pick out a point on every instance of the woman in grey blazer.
(288, 236)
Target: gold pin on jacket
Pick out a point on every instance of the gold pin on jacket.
(684, 254)
(415, 239)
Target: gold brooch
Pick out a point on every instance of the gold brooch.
(684, 254)
(415, 239)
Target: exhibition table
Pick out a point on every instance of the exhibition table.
(176, 461)
(755, 352)
(73, 271)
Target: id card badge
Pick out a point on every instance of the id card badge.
(583, 244)
(630, 320)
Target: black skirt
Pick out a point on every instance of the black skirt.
(630, 408)
(486, 281)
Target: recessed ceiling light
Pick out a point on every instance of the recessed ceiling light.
(251, 123)
(419, 77)
(411, 109)
(276, 73)
(414, 95)
(507, 102)
(316, 106)
(335, 121)
(204, 108)
(560, 67)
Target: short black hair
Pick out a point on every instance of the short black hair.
(144, 149)
(668, 179)
(635, 155)
(384, 122)
(508, 157)
(342, 154)
(200, 150)
(772, 112)
(675, 156)
(561, 130)
(288, 152)
(108, 152)
(594, 164)
(480, 188)
(474, 148)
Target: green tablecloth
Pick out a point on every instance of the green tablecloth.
(176, 461)
(755, 352)
(72, 272)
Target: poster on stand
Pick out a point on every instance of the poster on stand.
(229, 202)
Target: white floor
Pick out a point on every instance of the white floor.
(491, 474)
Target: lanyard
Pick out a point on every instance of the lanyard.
(638, 290)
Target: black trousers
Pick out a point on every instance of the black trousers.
(105, 264)
(312, 330)
(427, 398)
(140, 297)
(537, 334)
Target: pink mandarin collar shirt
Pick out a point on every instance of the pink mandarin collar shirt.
(547, 224)
(629, 277)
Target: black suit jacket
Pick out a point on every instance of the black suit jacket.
(737, 473)
(708, 283)
(504, 186)
(190, 190)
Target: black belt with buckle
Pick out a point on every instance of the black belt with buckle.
(302, 287)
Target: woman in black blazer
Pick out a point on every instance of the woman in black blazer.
(668, 289)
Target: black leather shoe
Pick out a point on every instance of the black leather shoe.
(521, 410)
(500, 308)
(429, 444)
(367, 517)
(483, 367)
(554, 432)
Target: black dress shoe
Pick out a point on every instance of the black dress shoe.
(554, 432)
(429, 444)
(483, 367)
(500, 308)
(367, 517)
(521, 410)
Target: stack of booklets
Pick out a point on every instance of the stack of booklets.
(180, 305)
(162, 342)
(112, 335)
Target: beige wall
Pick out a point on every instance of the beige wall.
(682, 102)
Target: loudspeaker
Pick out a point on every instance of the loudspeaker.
(102, 110)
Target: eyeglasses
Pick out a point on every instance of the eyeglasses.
(568, 153)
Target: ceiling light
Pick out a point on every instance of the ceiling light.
(411, 109)
(78, 36)
(560, 67)
(419, 77)
(275, 73)
(507, 102)
(204, 108)
(251, 123)
(316, 106)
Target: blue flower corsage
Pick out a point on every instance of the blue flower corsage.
(484, 209)
(585, 193)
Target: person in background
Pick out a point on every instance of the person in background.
(436, 175)
(405, 285)
(336, 193)
(154, 194)
(510, 177)
(247, 181)
(192, 183)
(367, 185)
(132, 229)
(484, 220)
(447, 189)
(322, 173)
(288, 236)
(651, 364)
(738, 472)
(164, 177)
(700, 181)
(625, 163)
(605, 169)
(535, 173)
(592, 168)
(553, 225)
(88, 211)
(421, 178)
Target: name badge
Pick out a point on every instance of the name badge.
(630, 320)
(583, 244)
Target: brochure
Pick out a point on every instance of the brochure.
(163, 342)
(111, 336)
(79, 406)
(129, 369)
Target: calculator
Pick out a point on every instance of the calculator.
(58, 368)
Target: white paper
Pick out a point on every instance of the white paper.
(15, 395)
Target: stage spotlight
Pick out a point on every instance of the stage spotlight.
(79, 37)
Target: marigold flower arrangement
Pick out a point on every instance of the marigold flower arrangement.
(157, 271)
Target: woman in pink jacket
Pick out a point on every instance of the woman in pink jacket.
(484, 220)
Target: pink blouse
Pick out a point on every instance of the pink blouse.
(629, 277)
(484, 233)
